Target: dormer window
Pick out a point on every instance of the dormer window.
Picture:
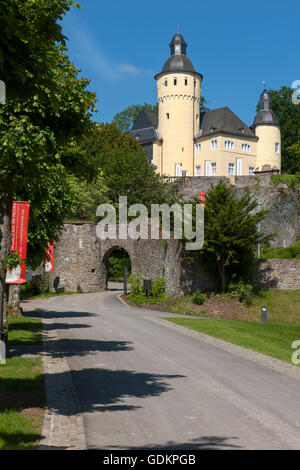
(214, 144)
(175, 81)
(246, 148)
(229, 145)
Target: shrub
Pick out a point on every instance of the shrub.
(158, 288)
(198, 297)
(33, 287)
(244, 292)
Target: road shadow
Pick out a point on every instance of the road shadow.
(106, 390)
(199, 443)
(40, 313)
(83, 347)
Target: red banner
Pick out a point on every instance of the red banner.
(49, 263)
(19, 231)
(202, 196)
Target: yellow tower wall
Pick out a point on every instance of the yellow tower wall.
(268, 137)
(178, 120)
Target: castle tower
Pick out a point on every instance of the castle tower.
(179, 92)
(267, 129)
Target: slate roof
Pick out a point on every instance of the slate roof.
(223, 121)
(265, 115)
(145, 127)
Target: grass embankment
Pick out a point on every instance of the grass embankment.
(22, 391)
(232, 321)
(289, 252)
(270, 339)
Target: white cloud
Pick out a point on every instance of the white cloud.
(88, 52)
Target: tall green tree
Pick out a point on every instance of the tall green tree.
(230, 232)
(288, 115)
(29, 36)
(37, 120)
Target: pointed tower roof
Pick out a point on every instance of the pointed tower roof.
(178, 62)
(265, 116)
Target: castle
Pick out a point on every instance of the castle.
(180, 140)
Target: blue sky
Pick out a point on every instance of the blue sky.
(235, 45)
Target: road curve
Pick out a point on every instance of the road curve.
(145, 385)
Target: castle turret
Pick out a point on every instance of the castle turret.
(179, 92)
(267, 129)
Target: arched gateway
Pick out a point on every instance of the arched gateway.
(80, 261)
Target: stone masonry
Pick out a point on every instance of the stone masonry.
(81, 258)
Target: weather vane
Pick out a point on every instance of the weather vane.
(178, 29)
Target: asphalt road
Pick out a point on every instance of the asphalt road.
(144, 385)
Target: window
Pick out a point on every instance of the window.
(207, 168)
(239, 166)
(175, 81)
(197, 148)
(168, 116)
(185, 81)
(229, 145)
(213, 168)
(177, 48)
(198, 170)
(246, 148)
(184, 173)
(277, 148)
(231, 168)
(251, 170)
(166, 82)
(213, 144)
(177, 169)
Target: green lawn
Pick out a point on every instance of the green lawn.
(24, 330)
(271, 339)
(22, 390)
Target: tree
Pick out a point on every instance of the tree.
(126, 118)
(33, 132)
(230, 231)
(87, 196)
(29, 36)
(128, 173)
(288, 115)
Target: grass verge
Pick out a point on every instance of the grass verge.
(271, 339)
(22, 389)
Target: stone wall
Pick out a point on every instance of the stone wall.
(81, 258)
(277, 274)
(281, 202)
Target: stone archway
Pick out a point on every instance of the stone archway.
(80, 260)
(106, 262)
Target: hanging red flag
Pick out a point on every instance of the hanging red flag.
(19, 231)
(49, 263)
(202, 196)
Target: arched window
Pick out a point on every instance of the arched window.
(166, 82)
(185, 81)
(175, 81)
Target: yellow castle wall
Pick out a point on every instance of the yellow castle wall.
(179, 115)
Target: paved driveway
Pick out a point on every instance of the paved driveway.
(144, 384)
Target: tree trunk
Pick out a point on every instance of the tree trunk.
(6, 199)
(13, 305)
(221, 267)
